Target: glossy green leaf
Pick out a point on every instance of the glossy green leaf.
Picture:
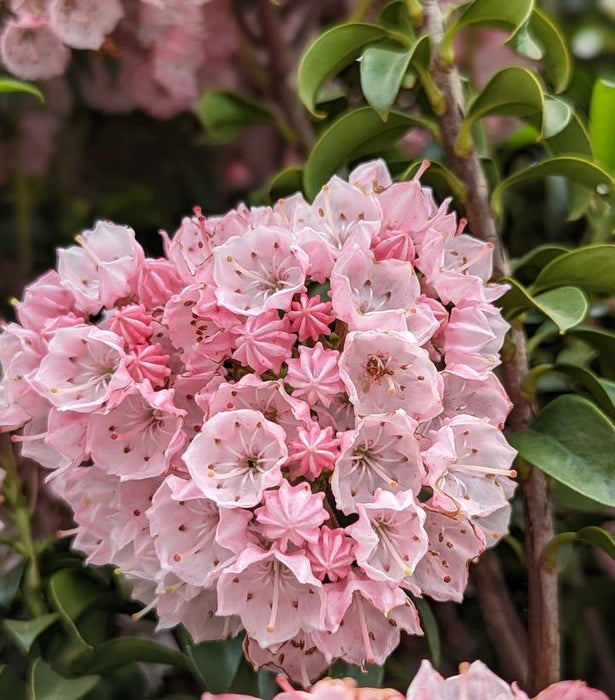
(71, 594)
(8, 84)
(599, 388)
(529, 266)
(395, 17)
(438, 174)
(576, 168)
(9, 584)
(593, 535)
(285, 183)
(604, 342)
(47, 684)
(11, 686)
(510, 16)
(217, 662)
(330, 53)
(127, 650)
(556, 117)
(514, 91)
(590, 267)
(556, 60)
(601, 121)
(430, 627)
(226, 114)
(565, 306)
(353, 135)
(25, 632)
(383, 67)
(572, 441)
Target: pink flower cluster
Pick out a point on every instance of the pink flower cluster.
(284, 425)
(169, 50)
(474, 682)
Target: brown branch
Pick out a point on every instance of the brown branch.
(544, 641)
(279, 72)
(505, 629)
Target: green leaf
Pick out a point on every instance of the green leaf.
(604, 342)
(127, 650)
(395, 17)
(601, 120)
(25, 632)
(591, 534)
(514, 91)
(556, 60)
(556, 117)
(528, 267)
(430, 627)
(285, 183)
(351, 136)
(8, 84)
(599, 388)
(565, 306)
(331, 52)
(438, 174)
(71, 594)
(591, 267)
(226, 114)
(576, 168)
(46, 684)
(9, 584)
(382, 70)
(572, 441)
(217, 662)
(11, 686)
(510, 16)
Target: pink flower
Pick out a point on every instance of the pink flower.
(474, 681)
(84, 369)
(382, 453)
(133, 324)
(237, 455)
(149, 362)
(264, 342)
(310, 317)
(315, 375)
(31, 50)
(190, 249)
(390, 537)
(83, 24)
(258, 271)
(386, 370)
(292, 514)
(275, 594)
(158, 281)
(103, 269)
(43, 300)
(333, 554)
(371, 295)
(483, 398)
(313, 451)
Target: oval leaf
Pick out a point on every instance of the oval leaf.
(128, 650)
(572, 441)
(329, 53)
(556, 60)
(353, 135)
(46, 684)
(382, 70)
(576, 168)
(529, 266)
(25, 632)
(226, 114)
(217, 662)
(591, 267)
(604, 342)
(8, 84)
(601, 120)
(599, 388)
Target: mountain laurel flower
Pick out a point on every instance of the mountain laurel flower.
(242, 465)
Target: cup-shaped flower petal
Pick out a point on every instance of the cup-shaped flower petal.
(45, 299)
(83, 24)
(372, 295)
(236, 456)
(483, 398)
(190, 250)
(390, 537)
(83, 370)
(333, 554)
(474, 681)
(133, 324)
(315, 376)
(382, 453)
(443, 572)
(138, 438)
(190, 530)
(386, 370)
(258, 271)
(292, 514)
(365, 619)
(275, 594)
(31, 50)
(467, 465)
